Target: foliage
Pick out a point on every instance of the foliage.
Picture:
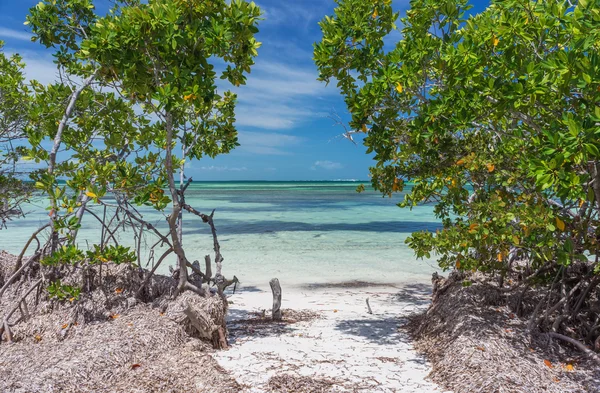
(159, 55)
(59, 291)
(116, 254)
(14, 104)
(493, 118)
(136, 84)
(65, 255)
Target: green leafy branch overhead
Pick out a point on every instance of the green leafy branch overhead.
(494, 118)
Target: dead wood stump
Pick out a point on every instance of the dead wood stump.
(276, 288)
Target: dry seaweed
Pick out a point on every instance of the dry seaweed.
(287, 383)
(110, 341)
(477, 343)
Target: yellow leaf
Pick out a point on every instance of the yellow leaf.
(460, 162)
(495, 40)
(335, 310)
(581, 202)
(399, 88)
(516, 240)
(375, 13)
(560, 224)
(70, 210)
(548, 363)
(490, 167)
(364, 128)
(118, 290)
(500, 257)
(569, 367)
(189, 97)
(37, 337)
(458, 264)
(66, 325)
(91, 194)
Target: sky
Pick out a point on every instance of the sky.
(282, 112)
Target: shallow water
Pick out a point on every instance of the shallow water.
(300, 232)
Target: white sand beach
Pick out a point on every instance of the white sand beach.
(345, 346)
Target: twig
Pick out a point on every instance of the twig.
(5, 325)
(20, 258)
(151, 273)
(18, 272)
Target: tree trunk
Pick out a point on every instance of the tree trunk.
(56, 146)
(181, 191)
(176, 209)
(276, 288)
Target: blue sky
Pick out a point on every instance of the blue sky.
(284, 130)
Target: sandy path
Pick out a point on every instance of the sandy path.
(359, 351)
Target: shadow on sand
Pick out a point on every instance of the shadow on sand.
(387, 330)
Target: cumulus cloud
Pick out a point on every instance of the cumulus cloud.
(280, 96)
(15, 34)
(266, 143)
(328, 165)
(214, 168)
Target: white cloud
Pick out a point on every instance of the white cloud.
(328, 165)
(278, 96)
(38, 65)
(272, 116)
(297, 14)
(15, 34)
(223, 168)
(266, 143)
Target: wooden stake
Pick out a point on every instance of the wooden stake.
(276, 288)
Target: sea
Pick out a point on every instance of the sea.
(302, 233)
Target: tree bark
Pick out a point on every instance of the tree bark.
(176, 209)
(276, 288)
(56, 146)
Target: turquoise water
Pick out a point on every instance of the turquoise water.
(300, 232)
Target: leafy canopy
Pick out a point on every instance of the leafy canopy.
(494, 118)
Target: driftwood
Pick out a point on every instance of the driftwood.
(276, 288)
(200, 320)
(204, 324)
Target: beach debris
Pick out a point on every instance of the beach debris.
(369, 307)
(284, 383)
(465, 329)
